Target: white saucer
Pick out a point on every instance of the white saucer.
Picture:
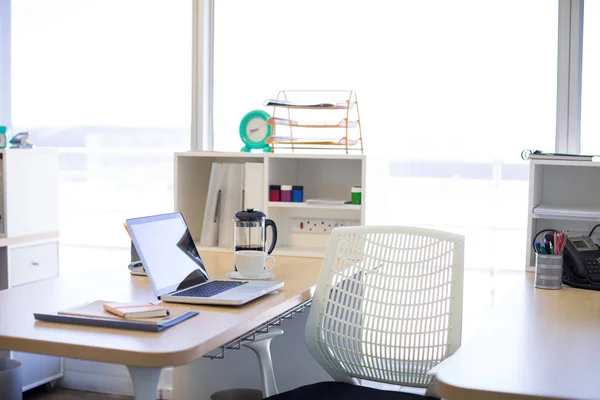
(263, 275)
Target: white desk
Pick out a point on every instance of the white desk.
(537, 344)
(144, 353)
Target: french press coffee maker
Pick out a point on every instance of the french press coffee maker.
(250, 231)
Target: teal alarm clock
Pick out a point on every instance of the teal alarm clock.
(2, 137)
(254, 131)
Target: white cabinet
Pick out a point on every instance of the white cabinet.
(30, 182)
(32, 263)
(29, 238)
(323, 176)
(563, 195)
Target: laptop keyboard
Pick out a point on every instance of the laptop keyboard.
(210, 289)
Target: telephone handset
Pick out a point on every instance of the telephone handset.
(581, 264)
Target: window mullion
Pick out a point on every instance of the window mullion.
(570, 44)
(5, 86)
(576, 56)
(202, 75)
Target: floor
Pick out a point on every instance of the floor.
(43, 393)
(482, 289)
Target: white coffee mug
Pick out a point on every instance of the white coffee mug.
(250, 263)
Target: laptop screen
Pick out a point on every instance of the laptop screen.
(168, 252)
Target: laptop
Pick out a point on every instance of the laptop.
(175, 269)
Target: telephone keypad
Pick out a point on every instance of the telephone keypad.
(592, 265)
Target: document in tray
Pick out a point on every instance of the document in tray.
(285, 103)
(94, 314)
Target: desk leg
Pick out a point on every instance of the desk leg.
(145, 382)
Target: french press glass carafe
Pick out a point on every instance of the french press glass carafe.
(250, 231)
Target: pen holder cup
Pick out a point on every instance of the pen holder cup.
(548, 271)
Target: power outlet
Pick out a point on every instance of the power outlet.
(316, 225)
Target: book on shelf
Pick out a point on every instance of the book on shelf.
(544, 210)
(327, 202)
(253, 185)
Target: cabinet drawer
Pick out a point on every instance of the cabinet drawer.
(32, 263)
(37, 368)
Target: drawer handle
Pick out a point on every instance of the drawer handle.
(35, 263)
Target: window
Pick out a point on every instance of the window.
(108, 83)
(590, 91)
(450, 93)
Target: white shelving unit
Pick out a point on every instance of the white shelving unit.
(323, 176)
(563, 195)
(29, 238)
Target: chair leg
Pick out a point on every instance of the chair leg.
(261, 346)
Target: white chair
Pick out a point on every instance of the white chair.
(387, 308)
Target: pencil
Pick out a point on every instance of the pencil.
(565, 241)
(125, 226)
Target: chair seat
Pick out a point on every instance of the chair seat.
(344, 391)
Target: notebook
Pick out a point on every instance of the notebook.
(136, 309)
(94, 314)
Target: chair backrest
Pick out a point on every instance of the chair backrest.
(388, 304)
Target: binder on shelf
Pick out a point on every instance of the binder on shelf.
(253, 186)
(210, 223)
(231, 202)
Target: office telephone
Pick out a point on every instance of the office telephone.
(581, 263)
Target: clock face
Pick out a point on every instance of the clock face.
(254, 130)
(257, 129)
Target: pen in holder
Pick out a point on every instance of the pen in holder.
(548, 271)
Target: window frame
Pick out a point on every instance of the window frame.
(569, 67)
(202, 75)
(5, 68)
(569, 71)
